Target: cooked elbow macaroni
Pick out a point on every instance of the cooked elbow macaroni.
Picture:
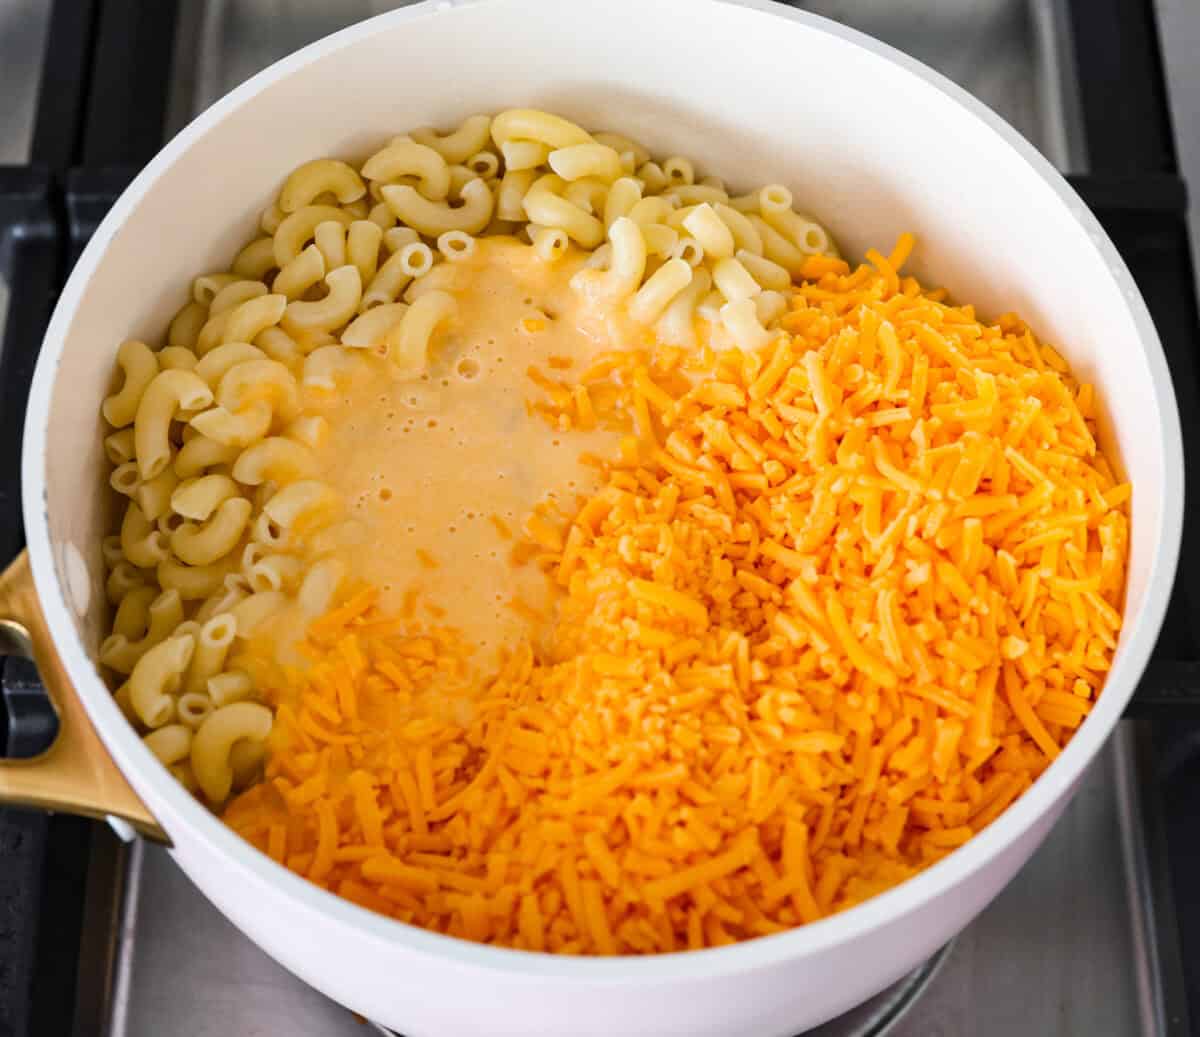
(139, 365)
(144, 619)
(278, 459)
(215, 429)
(408, 158)
(335, 310)
(301, 273)
(170, 744)
(432, 218)
(470, 138)
(154, 495)
(330, 240)
(408, 343)
(168, 393)
(201, 545)
(326, 368)
(321, 176)
(363, 239)
(234, 294)
(155, 678)
(212, 744)
(545, 206)
(302, 507)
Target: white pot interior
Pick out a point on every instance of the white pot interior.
(988, 227)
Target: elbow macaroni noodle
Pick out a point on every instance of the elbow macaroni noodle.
(330, 240)
(214, 427)
(213, 743)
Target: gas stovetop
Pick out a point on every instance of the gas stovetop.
(1099, 935)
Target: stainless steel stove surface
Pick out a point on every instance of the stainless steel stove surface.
(23, 26)
(1061, 951)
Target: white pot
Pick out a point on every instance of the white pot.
(872, 143)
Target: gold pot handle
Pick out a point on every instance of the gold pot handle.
(75, 774)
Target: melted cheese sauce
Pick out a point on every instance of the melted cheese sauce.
(425, 465)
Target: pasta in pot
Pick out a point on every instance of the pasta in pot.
(528, 538)
(238, 354)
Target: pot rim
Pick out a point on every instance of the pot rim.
(885, 908)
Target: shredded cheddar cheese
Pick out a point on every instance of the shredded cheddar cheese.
(836, 606)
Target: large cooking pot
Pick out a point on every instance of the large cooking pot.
(873, 144)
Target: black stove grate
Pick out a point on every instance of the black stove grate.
(102, 103)
(108, 74)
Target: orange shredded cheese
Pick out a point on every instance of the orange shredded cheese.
(837, 605)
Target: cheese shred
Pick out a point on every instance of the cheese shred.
(838, 603)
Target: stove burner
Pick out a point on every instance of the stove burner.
(873, 1018)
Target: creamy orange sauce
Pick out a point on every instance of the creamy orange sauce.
(425, 466)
